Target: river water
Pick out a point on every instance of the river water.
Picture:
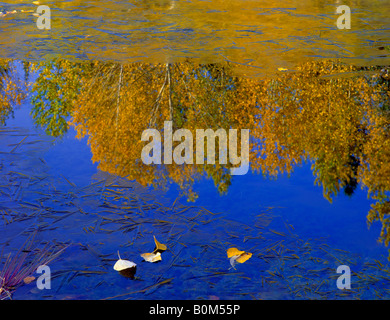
(265, 35)
(315, 98)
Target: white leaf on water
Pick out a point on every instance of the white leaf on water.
(123, 264)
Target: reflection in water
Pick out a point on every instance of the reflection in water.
(10, 91)
(327, 113)
(266, 34)
(205, 64)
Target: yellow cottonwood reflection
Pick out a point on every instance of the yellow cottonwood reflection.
(333, 115)
(118, 102)
(10, 92)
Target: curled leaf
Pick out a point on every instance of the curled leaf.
(125, 267)
(123, 264)
(234, 252)
(244, 257)
(237, 256)
(159, 246)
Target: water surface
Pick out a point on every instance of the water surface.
(265, 35)
(76, 99)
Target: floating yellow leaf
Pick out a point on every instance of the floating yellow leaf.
(282, 69)
(234, 252)
(159, 246)
(236, 255)
(151, 257)
(244, 257)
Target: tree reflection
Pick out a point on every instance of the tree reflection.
(329, 114)
(11, 92)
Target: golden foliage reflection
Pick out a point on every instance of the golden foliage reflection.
(335, 116)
